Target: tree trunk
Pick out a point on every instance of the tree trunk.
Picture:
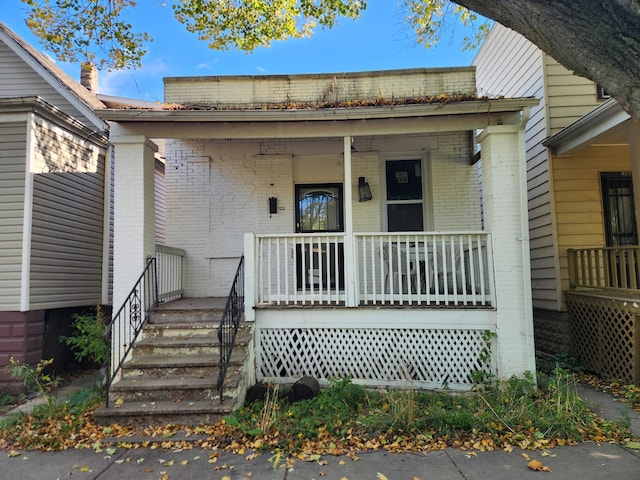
(596, 39)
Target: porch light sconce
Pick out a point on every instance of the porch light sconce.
(364, 191)
(273, 205)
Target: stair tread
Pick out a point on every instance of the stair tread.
(168, 407)
(140, 361)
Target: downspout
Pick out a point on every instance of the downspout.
(524, 240)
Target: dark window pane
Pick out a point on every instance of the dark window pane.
(405, 217)
(319, 208)
(404, 180)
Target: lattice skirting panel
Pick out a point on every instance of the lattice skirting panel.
(604, 335)
(422, 358)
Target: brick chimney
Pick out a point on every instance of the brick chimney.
(89, 77)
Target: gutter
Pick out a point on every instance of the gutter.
(317, 114)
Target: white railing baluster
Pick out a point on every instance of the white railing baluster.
(416, 268)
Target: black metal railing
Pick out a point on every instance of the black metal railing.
(126, 325)
(229, 323)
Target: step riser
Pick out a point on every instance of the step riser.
(171, 330)
(183, 350)
(176, 351)
(186, 316)
(159, 372)
(181, 394)
(180, 332)
(231, 390)
(160, 419)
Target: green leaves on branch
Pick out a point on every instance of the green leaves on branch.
(248, 24)
(95, 31)
(429, 19)
(88, 31)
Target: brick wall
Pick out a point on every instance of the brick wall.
(318, 88)
(218, 190)
(21, 337)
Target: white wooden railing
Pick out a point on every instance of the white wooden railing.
(169, 267)
(428, 269)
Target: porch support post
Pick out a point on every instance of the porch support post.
(134, 222)
(250, 277)
(506, 217)
(634, 152)
(350, 260)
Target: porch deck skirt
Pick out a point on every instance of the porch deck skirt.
(399, 357)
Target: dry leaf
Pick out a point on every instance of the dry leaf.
(249, 474)
(538, 466)
(381, 476)
(342, 462)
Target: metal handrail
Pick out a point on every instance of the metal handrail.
(128, 322)
(229, 323)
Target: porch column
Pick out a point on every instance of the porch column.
(134, 223)
(504, 189)
(350, 261)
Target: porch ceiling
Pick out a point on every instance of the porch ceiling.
(329, 122)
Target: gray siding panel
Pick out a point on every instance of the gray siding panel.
(17, 79)
(13, 147)
(68, 208)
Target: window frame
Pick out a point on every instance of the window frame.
(426, 201)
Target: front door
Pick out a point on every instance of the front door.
(319, 209)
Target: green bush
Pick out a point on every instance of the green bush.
(87, 343)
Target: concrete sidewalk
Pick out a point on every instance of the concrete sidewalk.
(586, 461)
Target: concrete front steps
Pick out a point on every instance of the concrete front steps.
(172, 373)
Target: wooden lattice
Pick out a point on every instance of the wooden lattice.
(603, 335)
(373, 356)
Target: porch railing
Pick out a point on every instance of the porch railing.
(604, 267)
(127, 323)
(387, 268)
(229, 323)
(169, 262)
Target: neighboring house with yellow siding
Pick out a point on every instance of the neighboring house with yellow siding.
(580, 196)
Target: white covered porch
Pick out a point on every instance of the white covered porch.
(427, 307)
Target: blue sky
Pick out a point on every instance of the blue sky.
(379, 40)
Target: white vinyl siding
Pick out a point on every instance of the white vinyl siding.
(511, 66)
(68, 209)
(160, 203)
(13, 144)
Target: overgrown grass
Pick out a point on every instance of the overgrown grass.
(511, 413)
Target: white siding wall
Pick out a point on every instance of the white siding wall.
(68, 209)
(510, 65)
(160, 203)
(218, 190)
(13, 147)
